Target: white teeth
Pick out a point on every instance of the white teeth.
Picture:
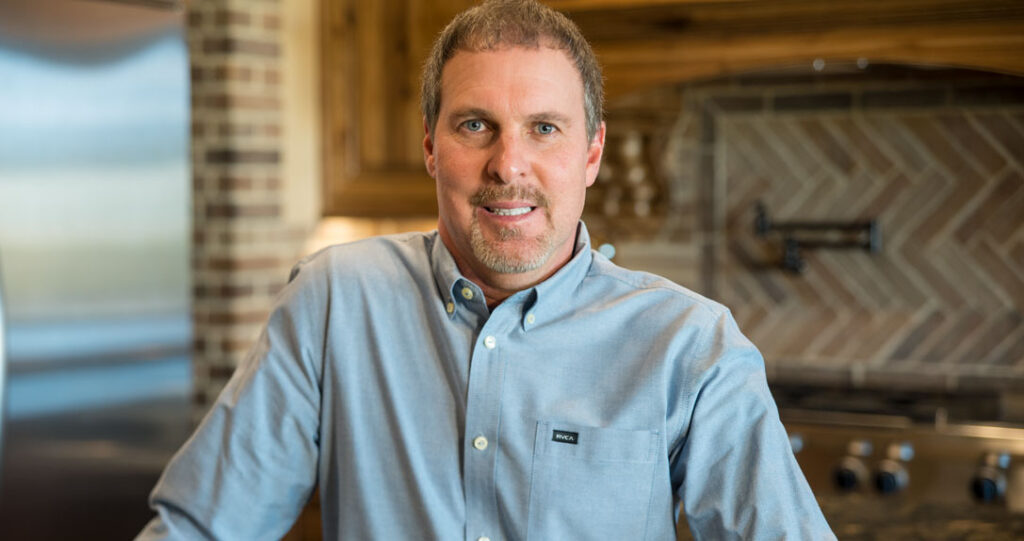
(510, 212)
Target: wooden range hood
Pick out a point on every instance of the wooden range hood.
(372, 52)
(651, 42)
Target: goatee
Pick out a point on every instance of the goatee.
(512, 253)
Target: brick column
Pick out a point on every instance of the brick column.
(242, 245)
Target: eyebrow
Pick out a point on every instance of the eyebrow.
(469, 112)
(550, 116)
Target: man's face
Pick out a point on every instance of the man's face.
(512, 162)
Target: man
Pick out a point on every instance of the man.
(495, 379)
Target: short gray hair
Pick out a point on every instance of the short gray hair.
(513, 23)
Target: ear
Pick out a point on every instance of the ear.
(428, 149)
(594, 152)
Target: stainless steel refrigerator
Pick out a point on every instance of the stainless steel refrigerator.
(94, 262)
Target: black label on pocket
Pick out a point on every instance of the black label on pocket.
(564, 436)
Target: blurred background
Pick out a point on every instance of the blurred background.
(94, 262)
(847, 176)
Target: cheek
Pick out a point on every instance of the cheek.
(455, 168)
(570, 192)
(454, 190)
(568, 175)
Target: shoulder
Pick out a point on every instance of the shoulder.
(700, 336)
(652, 289)
(372, 257)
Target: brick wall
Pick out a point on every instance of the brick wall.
(243, 246)
(936, 156)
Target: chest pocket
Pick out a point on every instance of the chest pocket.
(591, 483)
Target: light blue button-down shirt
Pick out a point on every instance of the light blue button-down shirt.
(582, 408)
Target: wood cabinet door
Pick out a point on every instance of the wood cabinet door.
(373, 51)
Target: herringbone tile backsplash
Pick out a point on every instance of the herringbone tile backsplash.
(939, 306)
(947, 190)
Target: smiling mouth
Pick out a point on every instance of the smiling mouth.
(509, 212)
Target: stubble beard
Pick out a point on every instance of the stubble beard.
(512, 253)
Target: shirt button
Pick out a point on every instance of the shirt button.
(467, 293)
(530, 319)
(490, 342)
(480, 443)
(450, 307)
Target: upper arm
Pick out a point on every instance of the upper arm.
(252, 463)
(739, 478)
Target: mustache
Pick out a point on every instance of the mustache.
(493, 194)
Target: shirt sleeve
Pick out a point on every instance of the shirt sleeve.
(251, 465)
(739, 477)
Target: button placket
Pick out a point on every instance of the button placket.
(483, 409)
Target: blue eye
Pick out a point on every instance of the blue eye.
(474, 125)
(546, 129)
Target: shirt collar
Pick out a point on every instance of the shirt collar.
(561, 286)
(554, 291)
(446, 272)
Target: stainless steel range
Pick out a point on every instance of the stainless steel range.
(909, 466)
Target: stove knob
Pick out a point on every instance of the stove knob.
(988, 486)
(891, 477)
(850, 474)
(989, 481)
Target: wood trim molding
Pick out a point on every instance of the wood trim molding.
(651, 42)
(997, 47)
(382, 194)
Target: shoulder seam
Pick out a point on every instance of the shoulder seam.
(714, 307)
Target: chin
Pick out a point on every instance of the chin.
(502, 257)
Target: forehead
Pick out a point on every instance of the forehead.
(516, 79)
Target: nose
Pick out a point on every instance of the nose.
(509, 161)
